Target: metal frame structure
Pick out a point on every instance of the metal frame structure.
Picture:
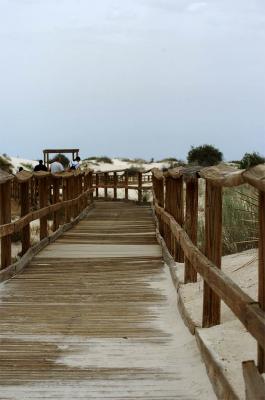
(47, 152)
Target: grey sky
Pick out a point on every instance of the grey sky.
(145, 78)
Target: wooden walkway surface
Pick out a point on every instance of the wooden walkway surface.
(94, 316)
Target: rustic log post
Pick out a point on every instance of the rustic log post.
(159, 190)
(66, 196)
(71, 191)
(80, 191)
(5, 218)
(261, 282)
(43, 195)
(73, 194)
(105, 185)
(56, 199)
(25, 207)
(126, 184)
(191, 223)
(115, 183)
(83, 199)
(97, 183)
(140, 185)
(177, 211)
(32, 197)
(90, 185)
(213, 251)
(168, 195)
(86, 187)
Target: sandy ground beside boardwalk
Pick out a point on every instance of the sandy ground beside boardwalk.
(229, 343)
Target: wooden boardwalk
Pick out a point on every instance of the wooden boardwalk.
(94, 317)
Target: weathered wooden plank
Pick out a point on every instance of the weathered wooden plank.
(191, 224)
(213, 251)
(99, 328)
(261, 275)
(254, 383)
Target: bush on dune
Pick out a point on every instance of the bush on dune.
(205, 155)
(250, 160)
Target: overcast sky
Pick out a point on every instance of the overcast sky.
(141, 78)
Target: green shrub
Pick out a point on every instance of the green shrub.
(126, 159)
(103, 159)
(64, 160)
(250, 160)
(139, 161)
(204, 155)
(168, 159)
(132, 171)
(27, 166)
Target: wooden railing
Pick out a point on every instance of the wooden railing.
(42, 194)
(108, 183)
(169, 197)
(62, 197)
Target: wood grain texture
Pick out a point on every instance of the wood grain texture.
(254, 383)
(213, 251)
(261, 276)
(97, 327)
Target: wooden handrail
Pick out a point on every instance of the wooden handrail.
(16, 226)
(217, 286)
(41, 187)
(243, 306)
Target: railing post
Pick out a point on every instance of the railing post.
(32, 192)
(43, 195)
(115, 182)
(159, 191)
(79, 192)
(97, 183)
(5, 218)
(254, 383)
(177, 211)
(73, 195)
(90, 185)
(105, 185)
(56, 198)
(66, 196)
(261, 282)
(140, 185)
(168, 208)
(25, 207)
(86, 199)
(126, 184)
(191, 223)
(213, 251)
